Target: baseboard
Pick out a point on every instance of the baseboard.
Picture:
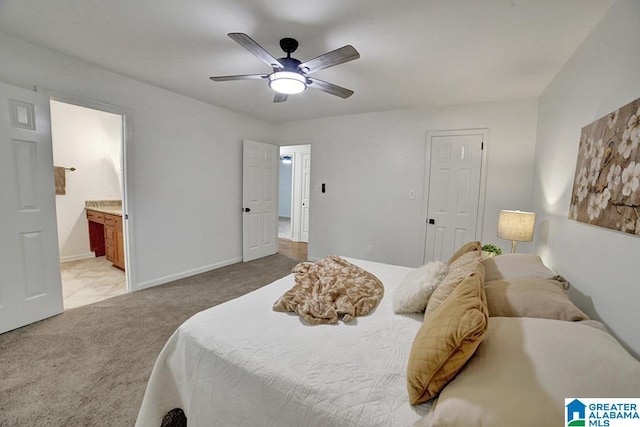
(69, 258)
(182, 275)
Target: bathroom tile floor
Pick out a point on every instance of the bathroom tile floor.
(90, 280)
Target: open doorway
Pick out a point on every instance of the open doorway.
(87, 154)
(293, 200)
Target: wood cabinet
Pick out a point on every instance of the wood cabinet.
(96, 232)
(106, 236)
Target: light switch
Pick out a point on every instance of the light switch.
(412, 194)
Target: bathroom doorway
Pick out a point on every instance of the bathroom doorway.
(88, 159)
(294, 200)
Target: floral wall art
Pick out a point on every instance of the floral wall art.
(606, 188)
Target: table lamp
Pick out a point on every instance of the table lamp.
(516, 226)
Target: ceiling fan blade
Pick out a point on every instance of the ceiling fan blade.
(329, 88)
(239, 77)
(280, 97)
(344, 54)
(253, 47)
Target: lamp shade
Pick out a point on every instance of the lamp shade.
(516, 225)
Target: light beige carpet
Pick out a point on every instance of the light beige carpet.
(90, 365)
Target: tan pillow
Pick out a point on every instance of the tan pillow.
(530, 298)
(538, 362)
(458, 270)
(467, 247)
(516, 266)
(447, 339)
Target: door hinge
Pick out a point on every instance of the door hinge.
(482, 146)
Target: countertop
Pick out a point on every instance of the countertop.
(113, 207)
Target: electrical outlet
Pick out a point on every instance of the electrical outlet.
(369, 250)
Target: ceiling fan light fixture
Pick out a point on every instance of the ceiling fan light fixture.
(287, 82)
(289, 75)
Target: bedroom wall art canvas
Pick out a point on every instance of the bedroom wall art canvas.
(606, 188)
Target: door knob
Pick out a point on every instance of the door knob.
(432, 221)
(246, 210)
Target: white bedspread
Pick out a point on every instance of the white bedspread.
(242, 364)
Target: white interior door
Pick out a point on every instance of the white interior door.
(30, 285)
(454, 191)
(306, 195)
(260, 200)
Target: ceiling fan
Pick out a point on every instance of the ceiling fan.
(290, 76)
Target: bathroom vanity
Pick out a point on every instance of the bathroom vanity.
(106, 236)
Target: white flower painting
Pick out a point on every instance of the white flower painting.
(606, 187)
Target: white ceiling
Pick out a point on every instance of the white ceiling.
(414, 53)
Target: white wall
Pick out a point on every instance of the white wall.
(90, 141)
(370, 162)
(602, 75)
(184, 162)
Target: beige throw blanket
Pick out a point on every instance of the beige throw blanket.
(328, 288)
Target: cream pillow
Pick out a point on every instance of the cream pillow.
(447, 339)
(536, 362)
(530, 298)
(458, 270)
(416, 287)
(516, 266)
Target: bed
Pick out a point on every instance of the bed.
(243, 364)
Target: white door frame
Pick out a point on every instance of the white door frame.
(127, 205)
(297, 188)
(483, 179)
(287, 150)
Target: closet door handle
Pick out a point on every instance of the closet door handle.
(246, 210)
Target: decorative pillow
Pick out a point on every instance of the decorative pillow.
(516, 266)
(467, 247)
(416, 287)
(458, 270)
(530, 298)
(537, 362)
(447, 339)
